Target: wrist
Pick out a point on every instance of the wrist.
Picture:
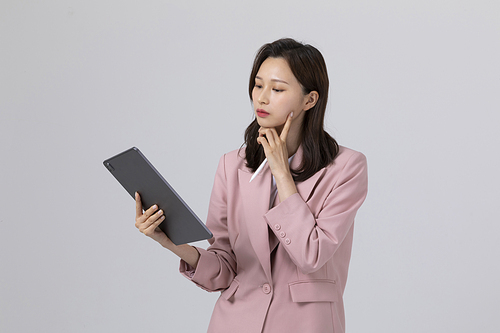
(283, 176)
(286, 186)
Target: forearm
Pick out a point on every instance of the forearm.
(186, 252)
(308, 245)
(312, 232)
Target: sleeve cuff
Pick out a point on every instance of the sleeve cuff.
(293, 208)
(186, 269)
(189, 271)
(198, 274)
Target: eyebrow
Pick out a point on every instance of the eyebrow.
(275, 80)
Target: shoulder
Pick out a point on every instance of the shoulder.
(347, 161)
(233, 160)
(236, 155)
(230, 165)
(346, 154)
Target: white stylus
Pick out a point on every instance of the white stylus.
(259, 169)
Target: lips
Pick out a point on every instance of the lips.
(261, 113)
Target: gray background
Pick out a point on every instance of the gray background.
(414, 86)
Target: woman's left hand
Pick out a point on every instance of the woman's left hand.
(275, 148)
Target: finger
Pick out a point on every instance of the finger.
(151, 210)
(262, 135)
(154, 218)
(270, 135)
(150, 228)
(147, 214)
(145, 220)
(286, 128)
(138, 205)
(264, 143)
(262, 131)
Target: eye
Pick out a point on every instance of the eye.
(258, 86)
(278, 90)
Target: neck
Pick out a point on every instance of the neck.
(292, 146)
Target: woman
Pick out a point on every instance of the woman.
(282, 241)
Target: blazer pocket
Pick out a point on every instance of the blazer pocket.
(314, 291)
(229, 292)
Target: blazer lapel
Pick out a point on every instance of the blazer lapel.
(255, 199)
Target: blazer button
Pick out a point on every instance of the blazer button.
(277, 227)
(287, 241)
(282, 234)
(266, 288)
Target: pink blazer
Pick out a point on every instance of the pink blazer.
(282, 269)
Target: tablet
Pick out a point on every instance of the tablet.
(136, 174)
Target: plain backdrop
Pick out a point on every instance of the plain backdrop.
(414, 85)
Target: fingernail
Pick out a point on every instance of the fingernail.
(160, 212)
(291, 114)
(155, 207)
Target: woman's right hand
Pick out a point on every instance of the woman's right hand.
(147, 222)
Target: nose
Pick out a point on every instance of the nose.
(263, 97)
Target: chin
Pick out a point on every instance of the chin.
(269, 124)
(260, 121)
(264, 123)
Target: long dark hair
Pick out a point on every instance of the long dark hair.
(308, 66)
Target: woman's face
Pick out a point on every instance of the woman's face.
(276, 94)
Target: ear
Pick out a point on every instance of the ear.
(310, 100)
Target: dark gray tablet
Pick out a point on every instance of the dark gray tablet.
(136, 174)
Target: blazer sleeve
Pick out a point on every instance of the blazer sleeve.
(216, 267)
(311, 241)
